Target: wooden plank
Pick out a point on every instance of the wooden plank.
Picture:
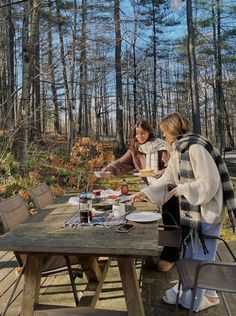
(81, 311)
(130, 287)
(101, 281)
(33, 271)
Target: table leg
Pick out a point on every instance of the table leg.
(130, 286)
(33, 271)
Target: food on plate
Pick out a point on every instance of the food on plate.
(147, 172)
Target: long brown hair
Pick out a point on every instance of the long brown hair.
(146, 127)
(176, 124)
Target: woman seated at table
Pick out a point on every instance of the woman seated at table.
(148, 152)
(203, 185)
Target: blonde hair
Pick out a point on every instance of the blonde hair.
(176, 124)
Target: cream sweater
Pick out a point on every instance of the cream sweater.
(205, 190)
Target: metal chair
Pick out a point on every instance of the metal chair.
(41, 195)
(13, 211)
(212, 275)
(168, 236)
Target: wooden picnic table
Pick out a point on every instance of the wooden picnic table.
(45, 234)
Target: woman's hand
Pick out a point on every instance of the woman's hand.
(174, 192)
(138, 197)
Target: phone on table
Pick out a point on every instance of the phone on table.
(124, 228)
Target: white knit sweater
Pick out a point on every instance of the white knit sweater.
(205, 190)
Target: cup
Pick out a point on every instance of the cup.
(118, 210)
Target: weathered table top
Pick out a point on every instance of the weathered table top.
(43, 233)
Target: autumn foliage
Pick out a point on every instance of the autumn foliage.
(57, 170)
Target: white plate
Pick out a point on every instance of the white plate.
(143, 217)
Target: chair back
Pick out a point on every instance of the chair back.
(208, 274)
(41, 195)
(13, 211)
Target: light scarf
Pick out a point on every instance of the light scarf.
(189, 213)
(150, 149)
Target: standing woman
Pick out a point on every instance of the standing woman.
(203, 186)
(148, 152)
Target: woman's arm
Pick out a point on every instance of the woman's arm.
(121, 166)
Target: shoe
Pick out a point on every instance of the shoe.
(164, 265)
(206, 303)
(170, 297)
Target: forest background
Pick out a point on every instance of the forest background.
(75, 76)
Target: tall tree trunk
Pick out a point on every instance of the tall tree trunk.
(9, 122)
(83, 109)
(135, 82)
(71, 125)
(135, 77)
(220, 103)
(56, 121)
(36, 133)
(73, 63)
(154, 114)
(119, 101)
(193, 69)
(27, 59)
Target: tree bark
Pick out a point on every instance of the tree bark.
(193, 69)
(36, 132)
(83, 106)
(27, 57)
(119, 101)
(56, 121)
(70, 125)
(9, 122)
(220, 102)
(154, 114)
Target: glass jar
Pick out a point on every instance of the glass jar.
(85, 201)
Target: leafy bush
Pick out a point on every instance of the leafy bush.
(54, 168)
